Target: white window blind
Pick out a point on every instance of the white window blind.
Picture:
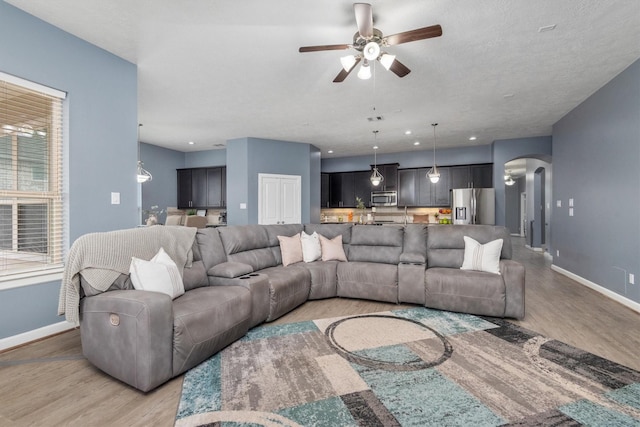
(31, 193)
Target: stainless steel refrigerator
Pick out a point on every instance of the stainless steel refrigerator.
(473, 206)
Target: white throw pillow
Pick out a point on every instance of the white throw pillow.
(291, 249)
(160, 274)
(482, 257)
(311, 249)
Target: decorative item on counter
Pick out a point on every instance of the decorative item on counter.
(152, 215)
(350, 216)
(340, 218)
(361, 207)
(436, 215)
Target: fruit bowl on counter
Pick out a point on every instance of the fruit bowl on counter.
(443, 211)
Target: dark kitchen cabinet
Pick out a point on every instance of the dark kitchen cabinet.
(361, 188)
(415, 189)
(407, 190)
(201, 188)
(216, 181)
(325, 192)
(476, 176)
(344, 187)
(390, 173)
(482, 176)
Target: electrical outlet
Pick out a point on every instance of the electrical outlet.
(632, 278)
(559, 203)
(570, 211)
(558, 253)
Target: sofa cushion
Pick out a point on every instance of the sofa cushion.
(248, 244)
(332, 248)
(482, 257)
(445, 243)
(288, 288)
(275, 230)
(210, 246)
(330, 231)
(230, 270)
(205, 320)
(324, 280)
(473, 292)
(367, 280)
(373, 243)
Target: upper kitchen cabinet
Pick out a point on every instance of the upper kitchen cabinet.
(202, 188)
(415, 189)
(325, 191)
(476, 176)
(344, 187)
(390, 173)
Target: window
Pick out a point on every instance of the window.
(31, 202)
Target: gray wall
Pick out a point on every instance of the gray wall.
(505, 150)
(101, 134)
(206, 158)
(162, 190)
(247, 157)
(512, 205)
(596, 153)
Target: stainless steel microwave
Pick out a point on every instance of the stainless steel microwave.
(384, 198)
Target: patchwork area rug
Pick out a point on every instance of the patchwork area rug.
(412, 367)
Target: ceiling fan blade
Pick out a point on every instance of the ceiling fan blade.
(364, 19)
(413, 35)
(399, 68)
(343, 73)
(323, 47)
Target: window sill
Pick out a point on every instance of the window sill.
(31, 278)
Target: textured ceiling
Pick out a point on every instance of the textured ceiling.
(214, 70)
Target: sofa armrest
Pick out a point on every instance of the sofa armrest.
(412, 258)
(230, 270)
(513, 276)
(129, 335)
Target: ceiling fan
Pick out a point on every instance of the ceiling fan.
(369, 41)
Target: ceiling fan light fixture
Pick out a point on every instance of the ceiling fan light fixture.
(510, 182)
(348, 62)
(387, 60)
(365, 71)
(371, 51)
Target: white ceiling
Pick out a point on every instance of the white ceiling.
(214, 70)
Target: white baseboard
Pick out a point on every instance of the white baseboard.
(604, 291)
(36, 334)
(533, 249)
(548, 256)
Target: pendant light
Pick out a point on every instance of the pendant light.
(143, 175)
(433, 174)
(508, 180)
(376, 176)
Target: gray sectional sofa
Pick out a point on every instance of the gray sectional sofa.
(236, 280)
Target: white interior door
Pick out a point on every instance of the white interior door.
(279, 199)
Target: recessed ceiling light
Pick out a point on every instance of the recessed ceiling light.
(472, 138)
(191, 143)
(407, 132)
(416, 143)
(330, 151)
(375, 147)
(507, 95)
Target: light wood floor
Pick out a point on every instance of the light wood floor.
(49, 383)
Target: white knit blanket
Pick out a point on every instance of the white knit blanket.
(102, 257)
